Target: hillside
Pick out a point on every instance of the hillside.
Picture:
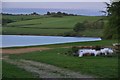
(46, 25)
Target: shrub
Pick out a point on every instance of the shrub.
(97, 47)
(72, 51)
(79, 27)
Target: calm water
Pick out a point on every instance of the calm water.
(44, 11)
(17, 40)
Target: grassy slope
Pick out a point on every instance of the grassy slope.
(48, 25)
(21, 17)
(12, 71)
(99, 66)
(33, 31)
(54, 22)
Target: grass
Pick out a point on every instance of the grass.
(12, 71)
(93, 32)
(105, 67)
(46, 25)
(33, 31)
(53, 22)
(22, 17)
(99, 66)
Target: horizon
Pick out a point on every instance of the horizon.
(58, 5)
(79, 8)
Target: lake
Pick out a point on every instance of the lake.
(18, 40)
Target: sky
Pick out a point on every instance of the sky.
(60, 5)
(80, 8)
(58, 0)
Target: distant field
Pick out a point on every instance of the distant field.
(33, 31)
(21, 17)
(46, 25)
(53, 22)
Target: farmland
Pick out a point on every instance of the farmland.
(100, 66)
(47, 25)
(105, 66)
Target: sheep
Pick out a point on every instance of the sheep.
(93, 51)
(106, 51)
(85, 51)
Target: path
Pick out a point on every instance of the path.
(43, 70)
(23, 50)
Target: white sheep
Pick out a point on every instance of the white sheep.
(106, 51)
(93, 51)
(85, 51)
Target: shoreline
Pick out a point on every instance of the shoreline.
(90, 43)
(48, 35)
(92, 39)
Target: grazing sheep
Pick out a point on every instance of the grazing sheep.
(106, 51)
(86, 51)
(94, 52)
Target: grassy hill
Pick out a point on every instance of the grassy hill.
(46, 25)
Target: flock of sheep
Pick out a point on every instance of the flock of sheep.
(104, 51)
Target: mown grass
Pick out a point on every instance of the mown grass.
(33, 31)
(105, 67)
(99, 66)
(12, 71)
(54, 22)
(46, 25)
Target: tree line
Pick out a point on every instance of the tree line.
(59, 14)
(111, 31)
(85, 25)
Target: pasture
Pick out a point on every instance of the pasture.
(12, 71)
(105, 67)
(99, 66)
(47, 25)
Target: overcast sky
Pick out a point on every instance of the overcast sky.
(60, 5)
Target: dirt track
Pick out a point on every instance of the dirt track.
(39, 69)
(23, 50)
(43, 70)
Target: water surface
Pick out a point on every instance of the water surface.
(17, 40)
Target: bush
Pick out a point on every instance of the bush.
(70, 34)
(75, 51)
(79, 27)
(56, 15)
(97, 47)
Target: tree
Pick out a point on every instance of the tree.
(48, 13)
(34, 13)
(79, 27)
(113, 26)
(59, 13)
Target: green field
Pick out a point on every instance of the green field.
(54, 22)
(46, 25)
(33, 31)
(21, 17)
(100, 66)
(12, 71)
